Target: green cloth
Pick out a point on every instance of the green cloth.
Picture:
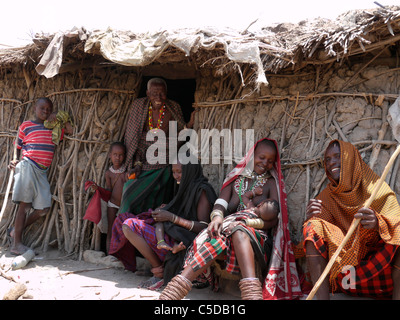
(62, 118)
(149, 191)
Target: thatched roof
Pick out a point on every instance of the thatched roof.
(270, 49)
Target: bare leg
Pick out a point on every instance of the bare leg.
(21, 222)
(316, 265)
(244, 254)
(396, 276)
(161, 244)
(181, 284)
(250, 286)
(140, 244)
(191, 275)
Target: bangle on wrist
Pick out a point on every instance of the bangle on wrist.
(255, 223)
(192, 225)
(215, 213)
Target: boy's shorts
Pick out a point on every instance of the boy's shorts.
(31, 185)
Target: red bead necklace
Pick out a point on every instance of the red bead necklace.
(160, 117)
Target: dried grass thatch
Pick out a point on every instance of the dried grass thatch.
(280, 47)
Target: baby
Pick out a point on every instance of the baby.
(267, 210)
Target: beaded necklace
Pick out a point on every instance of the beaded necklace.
(160, 117)
(120, 170)
(241, 185)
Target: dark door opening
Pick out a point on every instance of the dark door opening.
(181, 91)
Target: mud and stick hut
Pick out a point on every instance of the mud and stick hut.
(301, 84)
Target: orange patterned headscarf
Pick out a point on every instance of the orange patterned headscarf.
(342, 200)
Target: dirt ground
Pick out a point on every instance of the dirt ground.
(50, 276)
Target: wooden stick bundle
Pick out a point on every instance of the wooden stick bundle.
(354, 224)
(10, 180)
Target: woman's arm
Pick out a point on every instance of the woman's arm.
(219, 212)
(203, 216)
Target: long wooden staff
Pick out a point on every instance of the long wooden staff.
(10, 180)
(354, 224)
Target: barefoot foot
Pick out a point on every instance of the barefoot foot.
(178, 247)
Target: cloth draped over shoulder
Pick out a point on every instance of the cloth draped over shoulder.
(150, 190)
(341, 201)
(134, 130)
(185, 202)
(282, 281)
(185, 205)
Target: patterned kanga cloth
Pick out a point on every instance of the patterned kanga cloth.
(370, 250)
(206, 249)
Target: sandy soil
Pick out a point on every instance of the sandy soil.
(50, 276)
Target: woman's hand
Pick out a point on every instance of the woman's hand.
(314, 207)
(232, 226)
(368, 218)
(160, 215)
(214, 228)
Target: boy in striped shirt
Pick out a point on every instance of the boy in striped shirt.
(31, 187)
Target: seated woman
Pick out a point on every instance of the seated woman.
(245, 243)
(183, 218)
(372, 249)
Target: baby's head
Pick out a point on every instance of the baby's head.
(117, 154)
(267, 209)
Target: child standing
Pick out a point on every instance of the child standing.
(115, 179)
(31, 187)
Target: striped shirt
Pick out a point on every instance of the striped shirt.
(36, 142)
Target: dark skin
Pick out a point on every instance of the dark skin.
(157, 94)
(43, 111)
(316, 263)
(264, 158)
(115, 183)
(160, 215)
(265, 211)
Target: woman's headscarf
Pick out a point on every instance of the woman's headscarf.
(341, 201)
(282, 280)
(184, 205)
